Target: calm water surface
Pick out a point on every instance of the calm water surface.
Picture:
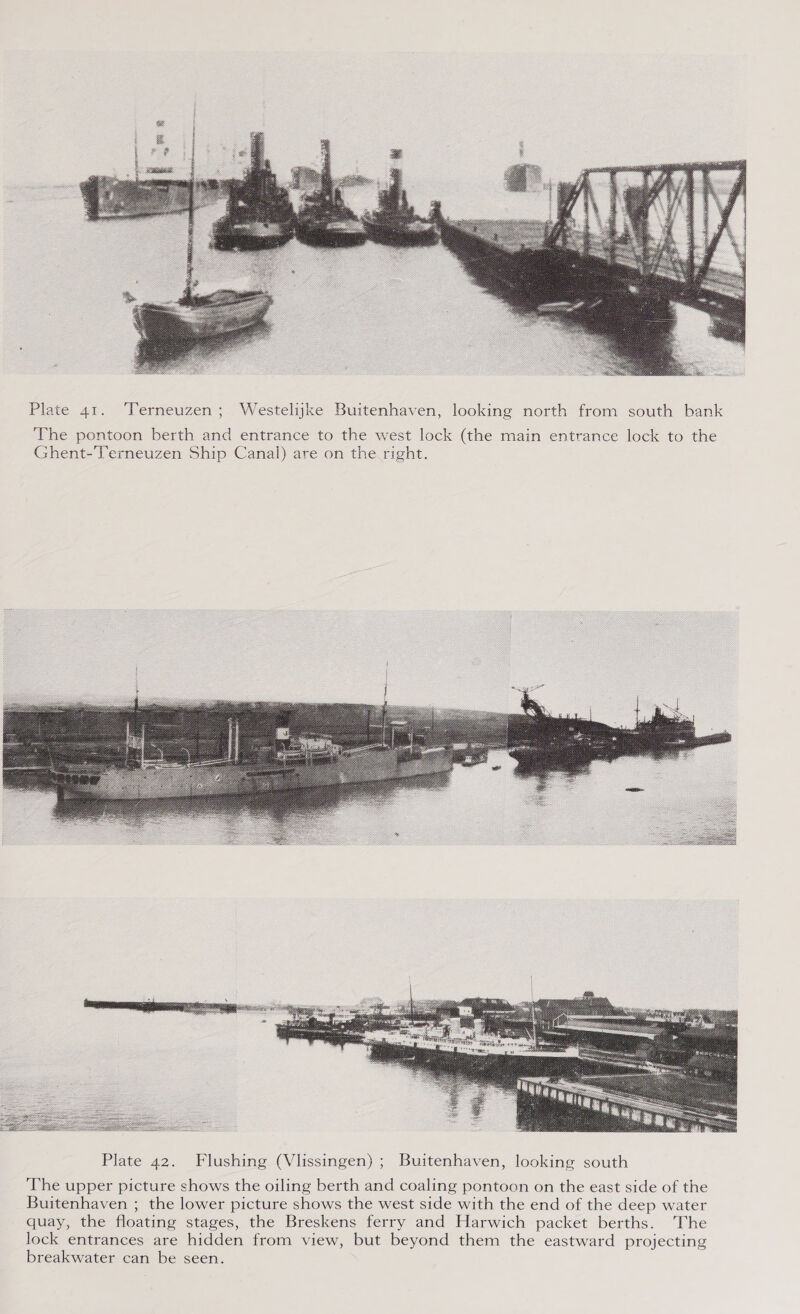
(368, 310)
(684, 798)
(92, 1070)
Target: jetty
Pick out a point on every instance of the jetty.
(176, 1006)
(667, 1105)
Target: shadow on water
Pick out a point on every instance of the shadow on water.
(192, 357)
(644, 345)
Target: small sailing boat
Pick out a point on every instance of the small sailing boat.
(199, 313)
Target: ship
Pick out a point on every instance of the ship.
(305, 179)
(539, 739)
(395, 221)
(285, 765)
(522, 177)
(324, 219)
(156, 189)
(479, 1054)
(354, 179)
(259, 213)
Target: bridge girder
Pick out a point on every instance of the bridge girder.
(679, 228)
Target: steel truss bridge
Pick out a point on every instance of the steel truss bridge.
(677, 230)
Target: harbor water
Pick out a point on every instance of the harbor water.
(79, 1069)
(686, 797)
(369, 310)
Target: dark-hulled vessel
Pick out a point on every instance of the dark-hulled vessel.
(539, 739)
(522, 177)
(324, 219)
(395, 221)
(259, 213)
(156, 189)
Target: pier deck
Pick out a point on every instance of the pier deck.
(617, 1105)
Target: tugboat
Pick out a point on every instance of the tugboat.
(324, 219)
(395, 221)
(205, 313)
(259, 214)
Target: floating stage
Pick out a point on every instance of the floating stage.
(639, 1102)
(508, 252)
(332, 1035)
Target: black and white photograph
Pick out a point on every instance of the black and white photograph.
(389, 214)
(348, 727)
(409, 1015)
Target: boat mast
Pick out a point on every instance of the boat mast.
(135, 142)
(135, 716)
(410, 1000)
(533, 1016)
(385, 705)
(187, 293)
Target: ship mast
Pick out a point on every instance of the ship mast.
(135, 142)
(385, 707)
(187, 292)
(533, 1016)
(410, 1000)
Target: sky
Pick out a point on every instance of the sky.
(645, 953)
(584, 660)
(457, 117)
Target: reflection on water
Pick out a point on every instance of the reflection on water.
(368, 310)
(678, 798)
(92, 1071)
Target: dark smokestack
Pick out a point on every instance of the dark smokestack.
(256, 151)
(395, 178)
(327, 180)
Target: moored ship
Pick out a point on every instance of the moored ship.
(480, 1054)
(157, 189)
(523, 177)
(395, 221)
(286, 765)
(259, 213)
(324, 219)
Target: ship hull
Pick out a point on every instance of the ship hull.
(173, 322)
(420, 234)
(252, 236)
(199, 781)
(500, 1066)
(125, 198)
(332, 233)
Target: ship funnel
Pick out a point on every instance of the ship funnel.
(282, 732)
(327, 180)
(395, 178)
(256, 151)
